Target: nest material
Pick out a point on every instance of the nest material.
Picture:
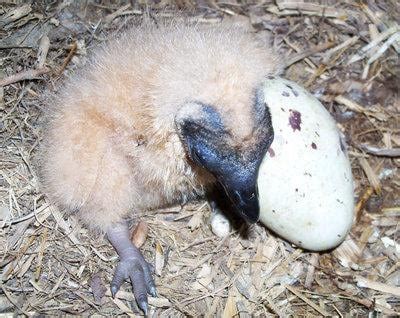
(346, 53)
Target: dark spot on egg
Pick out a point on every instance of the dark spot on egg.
(295, 93)
(271, 152)
(342, 145)
(313, 145)
(286, 94)
(297, 190)
(273, 211)
(339, 235)
(316, 133)
(295, 120)
(270, 77)
(282, 109)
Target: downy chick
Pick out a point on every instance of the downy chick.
(158, 116)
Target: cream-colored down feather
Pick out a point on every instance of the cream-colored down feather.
(111, 147)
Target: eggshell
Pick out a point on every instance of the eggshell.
(305, 182)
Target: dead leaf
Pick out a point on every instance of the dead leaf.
(230, 308)
(98, 288)
(139, 234)
(160, 259)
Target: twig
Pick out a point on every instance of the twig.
(384, 47)
(289, 8)
(109, 18)
(358, 108)
(303, 6)
(342, 46)
(25, 75)
(381, 152)
(307, 301)
(384, 288)
(375, 18)
(364, 51)
(71, 53)
(302, 55)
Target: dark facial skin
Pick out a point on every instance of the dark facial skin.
(210, 145)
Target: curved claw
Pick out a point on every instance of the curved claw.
(144, 306)
(138, 271)
(153, 291)
(120, 275)
(114, 290)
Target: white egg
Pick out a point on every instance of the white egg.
(220, 224)
(305, 182)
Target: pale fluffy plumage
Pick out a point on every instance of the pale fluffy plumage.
(111, 146)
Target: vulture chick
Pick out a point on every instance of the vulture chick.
(159, 116)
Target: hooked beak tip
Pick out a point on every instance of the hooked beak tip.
(247, 205)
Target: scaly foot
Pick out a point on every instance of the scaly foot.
(132, 266)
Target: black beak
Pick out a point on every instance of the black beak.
(209, 145)
(243, 196)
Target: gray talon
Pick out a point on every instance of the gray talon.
(114, 290)
(143, 305)
(153, 291)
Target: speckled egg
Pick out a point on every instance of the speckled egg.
(305, 182)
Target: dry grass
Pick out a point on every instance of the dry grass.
(347, 54)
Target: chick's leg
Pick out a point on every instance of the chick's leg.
(132, 265)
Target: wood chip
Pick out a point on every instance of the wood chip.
(311, 270)
(384, 288)
(230, 309)
(15, 14)
(160, 260)
(371, 175)
(44, 46)
(348, 253)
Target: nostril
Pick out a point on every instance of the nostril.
(238, 197)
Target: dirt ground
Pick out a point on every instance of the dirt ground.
(345, 52)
